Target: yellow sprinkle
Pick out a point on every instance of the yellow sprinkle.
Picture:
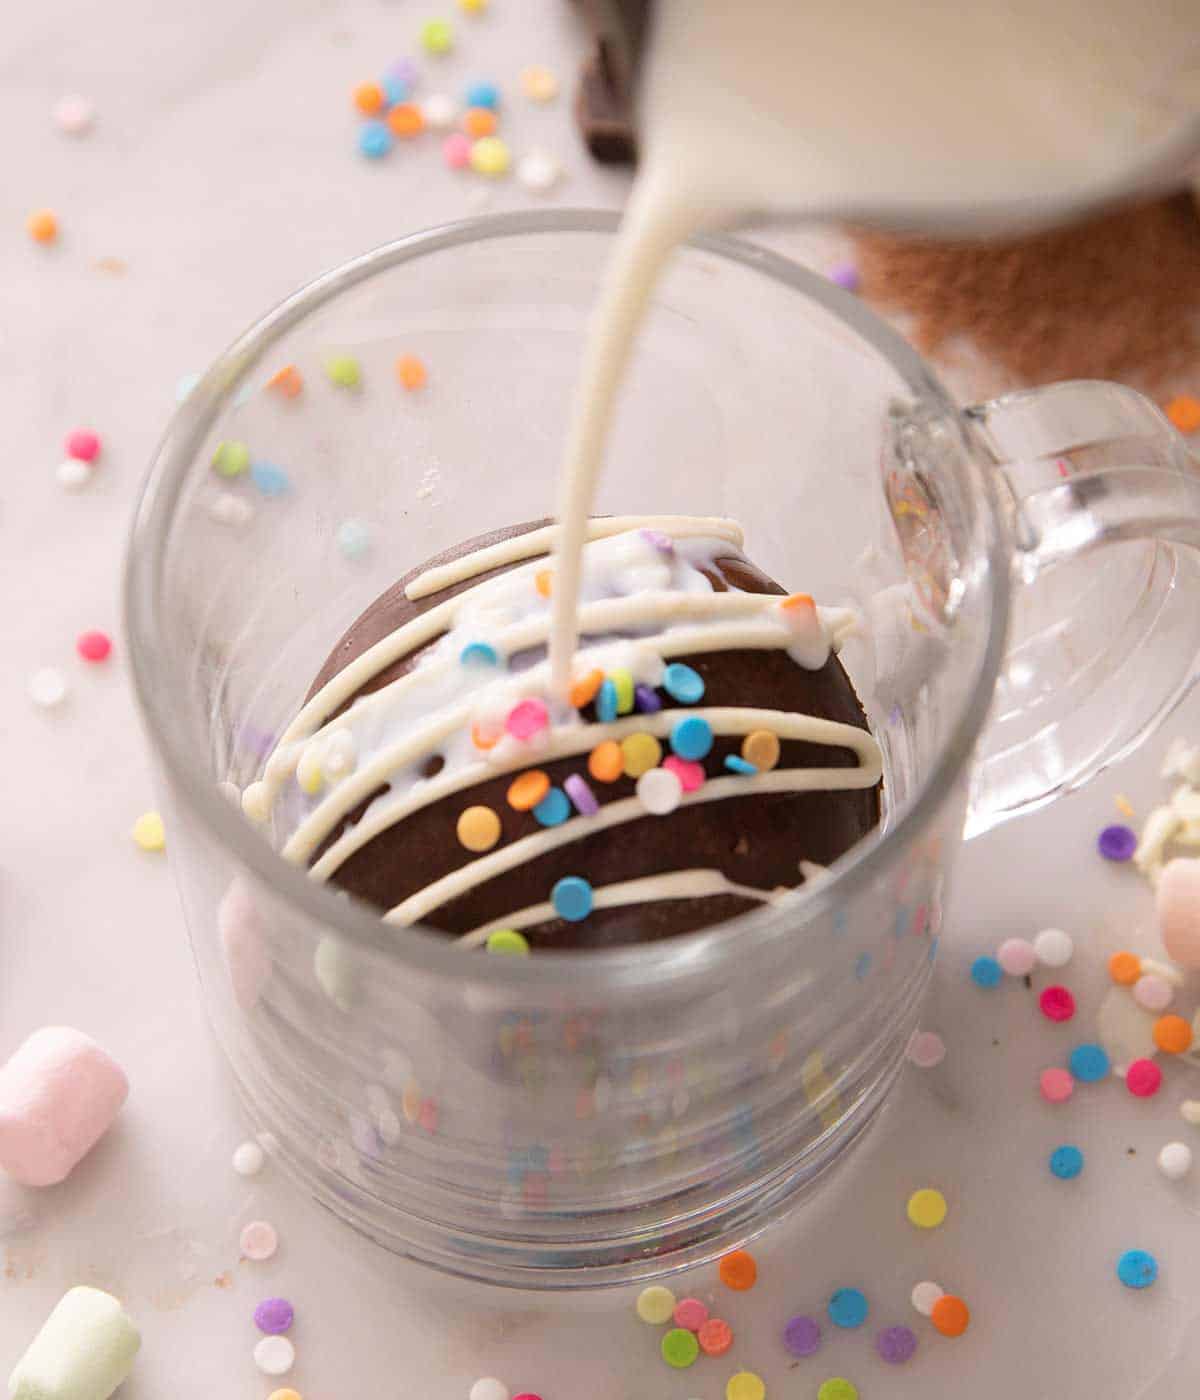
(655, 1304)
(927, 1208)
(640, 753)
(762, 749)
(410, 1103)
(539, 84)
(1123, 805)
(148, 832)
(472, 7)
(746, 1385)
(489, 156)
(308, 771)
(478, 828)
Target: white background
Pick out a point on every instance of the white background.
(222, 172)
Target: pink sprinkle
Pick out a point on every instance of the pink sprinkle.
(689, 773)
(1153, 992)
(926, 1049)
(93, 646)
(690, 1313)
(259, 1240)
(1056, 1085)
(1016, 957)
(527, 1395)
(428, 1115)
(1143, 1079)
(1057, 1004)
(456, 151)
(526, 718)
(83, 445)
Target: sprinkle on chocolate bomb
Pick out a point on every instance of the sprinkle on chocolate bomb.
(710, 751)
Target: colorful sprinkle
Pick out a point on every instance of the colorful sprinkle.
(249, 1159)
(584, 690)
(745, 1385)
(353, 539)
(1172, 1035)
(1053, 947)
(47, 688)
(1066, 1162)
(94, 646)
(479, 654)
(1117, 843)
(802, 1335)
(926, 1049)
(478, 829)
(1017, 957)
(508, 942)
(623, 683)
(482, 94)
(437, 36)
(1137, 1269)
(924, 1295)
(692, 738)
(926, 1208)
(848, 1308)
(739, 765)
(572, 900)
(485, 1388)
(411, 372)
(490, 156)
(581, 795)
(640, 753)
(369, 98)
(258, 1241)
(456, 150)
(553, 809)
(539, 171)
(42, 226)
(344, 371)
(1143, 1079)
(1057, 1004)
(645, 700)
(659, 791)
(149, 834)
(837, 1388)
(606, 762)
(1056, 1085)
(1175, 1160)
(72, 474)
(846, 276)
(690, 1313)
(527, 718)
(950, 1315)
(374, 140)
(539, 84)
(231, 459)
(1189, 1111)
(439, 111)
(270, 480)
(1152, 992)
(274, 1356)
(1089, 1063)
(683, 684)
(606, 702)
(1124, 968)
(738, 1270)
(287, 381)
(395, 89)
(405, 121)
(691, 775)
(83, 445)
(680, 1348)
(715, 1337)
(986, 972)
(527, 790)
(896, 1345)
(1184, 412)
(274, 1315)
(74, 115)
(655, 1305)
(479, 121)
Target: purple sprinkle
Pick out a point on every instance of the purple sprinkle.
(274, 1315)
(802, 1335)
(663, 543)
(896, 1345)
(845, 275)
(581, 795)
(1117, 843)
(404, 69)
(645, 700)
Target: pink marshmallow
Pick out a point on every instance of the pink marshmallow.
(1179, 910)
(59, 1095)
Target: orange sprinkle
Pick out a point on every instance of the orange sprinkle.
(585, 690)
(42, 225)
(527, 790)
(405, 120)
(286, 381)
(795, 601)
(543, 581)
(1172, 1035)
(1123, 805)
(479, 121)
(1124, 968)
(485, 737)
(950, 1315)
(715, 1337)
(606, 762)
(410, 372)
(1184, 413)
(738, 1270)
(369, 98)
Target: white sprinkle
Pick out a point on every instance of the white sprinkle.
(1189, 1111)
(228, 509)
(1053, 947)
(1153, 993)
(659, 791)
(1175, 1160)
(924, 1295)
(74, 115)
(47, 688)
(439, 111)
(489, 1388)
(539, 171)
(72, 474)
(248, 1159)
(274, 1356)
(353, 539)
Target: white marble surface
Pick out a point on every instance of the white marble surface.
(222, 174)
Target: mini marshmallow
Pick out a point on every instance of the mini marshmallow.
(84, 1351)
(1178, 901)
(59, 1095)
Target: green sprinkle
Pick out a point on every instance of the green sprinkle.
(680, 1348)
(507, 940)
(344, 370)
(837, 1388)
(437, 36)
(231, 458)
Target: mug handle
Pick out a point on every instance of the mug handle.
(1100, 649)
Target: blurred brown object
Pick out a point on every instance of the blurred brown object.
(1117, 297)
(604, 101)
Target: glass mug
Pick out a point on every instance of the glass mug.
(571, 1120)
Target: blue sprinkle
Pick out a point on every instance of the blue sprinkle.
(482, 95)
(1089, 1063)
(1066, 1162)
(572, 898)
(1137, 1269)
(645, 701)
(862, 966)
(374, 140)
(187, 382)
(606, 702)
(270, 479)
(683, 684)
(848, 1308)
(353, 539)
(553, 809)
(986, 972)
(479, 654)
(692, 738)
(735, 764)
(396, 89)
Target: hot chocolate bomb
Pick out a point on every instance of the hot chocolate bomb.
(431, 773)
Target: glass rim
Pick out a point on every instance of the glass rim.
(622, 968)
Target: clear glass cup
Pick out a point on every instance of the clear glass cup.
(574, 1120)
